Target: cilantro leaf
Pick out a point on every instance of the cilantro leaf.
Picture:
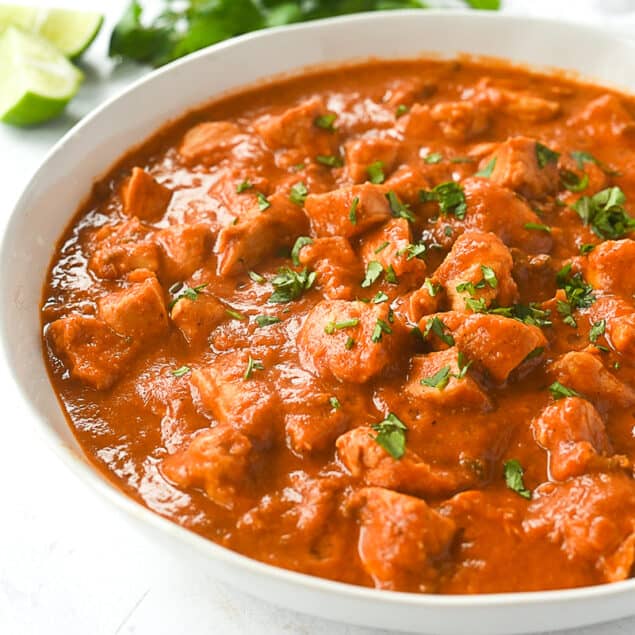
(290, 285)
(514, 473)
(450, 198)
(391, 435)
(604, 212)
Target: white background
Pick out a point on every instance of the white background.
(68, 563)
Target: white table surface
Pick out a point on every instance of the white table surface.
(68, 564)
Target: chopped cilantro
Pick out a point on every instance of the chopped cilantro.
(579, 294)
(545, 155)
(380, 328)
(380, 297)
(252, 365)
(416, 251)
(597, 329)
(352, 212)
(391, 435)
(335, 404)
(433, 158)
(298, 193)
(381, 247)
(436, 326)
(450, 198)
(179, 372)
(290, 285)
(375, 172)
(256, 277)
(266, 320)
(181, 290)
(301, 241)
(538, 227)
(486, 171)
(560, 391)
(399, 209)
(373, 271)
(326, 122)
(514, 473)
(236, 315)
(585, 157)
(439, 380)
(391, 276)
(604, 212)
(586, 248)
(330, 161)
(331, 327)
(243, 187)
(573, 182)
(431, 287)
(263, 202)
(401, 110)
(530, 314)
(350, 342)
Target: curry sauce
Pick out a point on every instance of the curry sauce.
(373, 324)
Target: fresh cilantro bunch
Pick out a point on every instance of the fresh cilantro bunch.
(185, 26)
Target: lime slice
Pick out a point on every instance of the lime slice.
(70, 31)
(36, 80)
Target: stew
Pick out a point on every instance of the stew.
(374, 324)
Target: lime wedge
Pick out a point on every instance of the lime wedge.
(36, 80)
(70, 31)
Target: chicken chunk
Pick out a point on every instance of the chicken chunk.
(418, 124)
(122, 248)
(389, 245)
(216, 459)
(522, 165)
(197, 318)
(258, 234)
(526, 107)
(137, 311)
(466, 272)
(348, 341)
(421, 302)
(184, 249)
(366, 460)
(235, 399)
(592, 517)
(208, 142)
(604, 118)
(143, 197)
(400, 536)
(348, 211)
(447, 383)
(93, 352)
(461, 120)
(295, 128)
(496, 343)
(495, 209)
(362, 152)
(610, 267)
(336, 265)
(573, 433)
(585, 373)
(620, 322)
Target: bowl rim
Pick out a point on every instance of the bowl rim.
(88, 474)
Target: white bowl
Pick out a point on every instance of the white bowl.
(87, 151)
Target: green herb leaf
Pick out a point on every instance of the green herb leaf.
(537, 352)
(391, 435)
(179, 372)
(236, 315)
(326, 122)
(300, 242)
(331, 327)
(391, 276)
(514, 473)
(266, 320)
(399, 209)
(431, 287)
(530, 314)
(489, 276)
(585, 157)
(290, 285)
(416, 251)
(439, 380)
(298, 193)
(380, 297)
(436, 326)
(330, 161)
(335, 404)
(579, 294)
(586, 248)
(252, 365)
(450, 198)
(572, 182)
(597, 329)
(545, 155)
(604, 212)
(463, 364)
(560, 391)
(180, 290)
(352, 213)
(380, 328)
(433, 158)
(256, 277)
(350, 342)
(373, 271)
(243, 187)
(401, 110)
(538, 227)
(263, 202)
(486, 172)
(381, 247)
(376, 172)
